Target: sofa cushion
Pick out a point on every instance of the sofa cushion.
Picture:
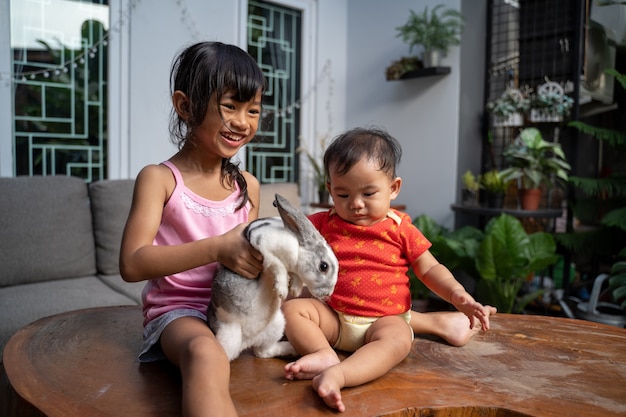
(110, 204)
(131, 290)
(23, 304)
(45, 229)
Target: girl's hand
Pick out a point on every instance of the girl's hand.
(466, 304)
(238, 255)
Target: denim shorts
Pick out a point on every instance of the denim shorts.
(151, 348)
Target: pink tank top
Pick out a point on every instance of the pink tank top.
(188, 217)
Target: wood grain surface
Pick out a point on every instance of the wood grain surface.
(84, 364)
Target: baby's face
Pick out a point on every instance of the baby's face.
(363, 195)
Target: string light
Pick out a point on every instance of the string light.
(87, 52)
(187, 19)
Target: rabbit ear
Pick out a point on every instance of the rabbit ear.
(295, 220)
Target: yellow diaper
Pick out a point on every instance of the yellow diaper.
(352, 330)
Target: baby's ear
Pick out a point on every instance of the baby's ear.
(181, 104)
(396, 184)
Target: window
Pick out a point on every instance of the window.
(274, 40)
(59, 83)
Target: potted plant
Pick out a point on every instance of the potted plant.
(404, 65)
(494, 185)
(509, 108)
(435, 30)
(550, 104)
(506, 257)
(534, 162)
(319, 176)
(469, 193)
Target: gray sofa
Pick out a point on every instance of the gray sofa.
(59, 246)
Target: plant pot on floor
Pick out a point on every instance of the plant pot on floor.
(530, 198)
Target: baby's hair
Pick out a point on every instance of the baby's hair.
(208, 68)
(359, 143)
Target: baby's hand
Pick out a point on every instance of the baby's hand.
(466, 304)
(238, 255)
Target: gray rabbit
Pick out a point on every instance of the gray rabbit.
(246, 313)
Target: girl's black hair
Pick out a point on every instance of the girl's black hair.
(208, 68)
(359, 143)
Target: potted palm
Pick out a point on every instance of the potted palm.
(435, 30)
(534, 162)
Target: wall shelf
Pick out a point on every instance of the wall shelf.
(424, 72)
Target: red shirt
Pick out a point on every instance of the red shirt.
(373, 262)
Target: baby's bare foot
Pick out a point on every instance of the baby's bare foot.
(328, 386)
(455, 328)
(311, 365)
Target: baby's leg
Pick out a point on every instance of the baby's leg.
(310, 324)
(452, 326)
(388, 342)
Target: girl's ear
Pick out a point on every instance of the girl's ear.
(395, 186)
(181, 104)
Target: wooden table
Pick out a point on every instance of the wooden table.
(84, 364)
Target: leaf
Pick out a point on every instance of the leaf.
(611, 136)
(615, 218)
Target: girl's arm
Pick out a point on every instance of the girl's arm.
(440, 280)
(141, 260)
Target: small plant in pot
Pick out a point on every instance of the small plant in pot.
(471, 186)
(494, 186)
(534, 161)
(550, 104)
(319, 176)
(509, 108)
(435, 30)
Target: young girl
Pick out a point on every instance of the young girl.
(188, 214)
(369, 312)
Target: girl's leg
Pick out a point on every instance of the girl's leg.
(189, 344)
(452, 326)
(387, 342)
(312, 328)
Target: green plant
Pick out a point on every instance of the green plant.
(500, 258)
(470, 182)
(493, 181)
(535, 160)
(600, 201)
(454, 249)
(617, 281)
(319, 176)
(506, 257)
(398, 68)
(433, 30)
(553, 104)
(511, 101)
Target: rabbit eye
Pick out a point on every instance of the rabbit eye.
(323, 266)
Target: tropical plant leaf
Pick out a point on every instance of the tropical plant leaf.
(621, 78)
(611, 136)
(611, 186)
(615, 218)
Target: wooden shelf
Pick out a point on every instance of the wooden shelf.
(425, 72)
